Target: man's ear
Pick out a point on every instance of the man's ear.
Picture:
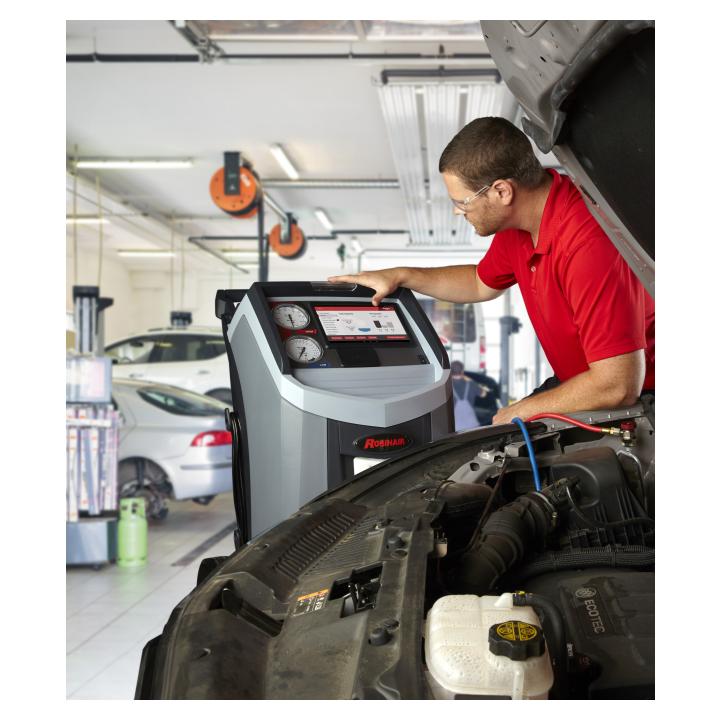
(505, 191)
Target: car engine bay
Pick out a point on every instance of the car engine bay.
(444, 573)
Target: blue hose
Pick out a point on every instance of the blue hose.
(531, 452)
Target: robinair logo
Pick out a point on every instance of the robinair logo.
(383, 443)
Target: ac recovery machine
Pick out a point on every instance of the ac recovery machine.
(320, 377)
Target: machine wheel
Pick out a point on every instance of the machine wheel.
(222, 394)
(144, 479)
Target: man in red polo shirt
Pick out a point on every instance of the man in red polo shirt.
(594, 320)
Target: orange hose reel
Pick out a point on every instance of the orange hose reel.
(244, 205)
(295, 244)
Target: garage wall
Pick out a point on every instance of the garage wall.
(116, 284)
(143, 301)
(152, 295)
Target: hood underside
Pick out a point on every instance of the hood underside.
(588, 91)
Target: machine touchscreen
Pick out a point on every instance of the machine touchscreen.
(344, 323)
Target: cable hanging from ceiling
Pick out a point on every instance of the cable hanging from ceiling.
(74, 225)
(172, 262)
(100, 229)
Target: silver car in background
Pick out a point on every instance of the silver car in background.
(173, 444)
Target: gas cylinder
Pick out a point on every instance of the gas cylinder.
(132, 533)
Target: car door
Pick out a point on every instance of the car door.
(187, 360)
(132, 358)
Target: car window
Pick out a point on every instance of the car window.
(453, 321)
(134, 350)
(181, 402)
(188, 348)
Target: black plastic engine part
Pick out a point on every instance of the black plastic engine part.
(636, 557)
(508, 535)
(609, 618)
(604, 511)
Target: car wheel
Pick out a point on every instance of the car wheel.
(221, 394)
(141, 478)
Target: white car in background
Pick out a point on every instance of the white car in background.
(191, 357)
(173, 444)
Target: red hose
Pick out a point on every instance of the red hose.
(566, 419)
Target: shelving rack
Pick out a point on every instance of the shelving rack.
(92, 439)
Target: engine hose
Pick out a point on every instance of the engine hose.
(531, 452)
(565, 418)
(464, 498)
(551, 620)
(629, 556)
(508, 535)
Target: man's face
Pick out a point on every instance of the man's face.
(484, 213)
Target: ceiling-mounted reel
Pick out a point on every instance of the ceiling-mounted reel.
(287, 239)
(235, 188)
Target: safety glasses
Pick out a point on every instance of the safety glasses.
(463, 204)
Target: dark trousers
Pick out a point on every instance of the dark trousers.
(549, 384)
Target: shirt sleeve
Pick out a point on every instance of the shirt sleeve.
(607, 300)
(495, 269)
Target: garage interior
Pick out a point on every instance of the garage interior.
(342, 123)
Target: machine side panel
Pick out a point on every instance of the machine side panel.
(287, 448)
(304, 458)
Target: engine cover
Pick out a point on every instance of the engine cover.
(609, 618)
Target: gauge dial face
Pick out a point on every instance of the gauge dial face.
(289, 316)
(303, 349)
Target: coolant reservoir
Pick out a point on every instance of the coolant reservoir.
(471, 643)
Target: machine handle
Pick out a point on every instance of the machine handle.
(136, 375)
(225, 303)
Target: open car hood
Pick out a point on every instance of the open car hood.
(588, 90)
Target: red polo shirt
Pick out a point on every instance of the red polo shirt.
(582, 298)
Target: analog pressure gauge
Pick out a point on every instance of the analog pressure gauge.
(303, 349)
(289, 316)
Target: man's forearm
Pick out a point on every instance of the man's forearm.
(455, 283)
(582, 392)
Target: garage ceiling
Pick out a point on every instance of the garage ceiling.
(325, 112)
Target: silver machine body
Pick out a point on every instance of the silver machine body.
(302, 424)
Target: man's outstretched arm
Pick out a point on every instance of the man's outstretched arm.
(455, 283)
(610, 383)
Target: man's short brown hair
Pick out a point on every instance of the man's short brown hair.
(489, 149)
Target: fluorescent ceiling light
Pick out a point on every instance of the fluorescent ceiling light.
(85, 220)
(146, 253)
(134, 164)
(285, 30)
(284, 162)
(323, 218)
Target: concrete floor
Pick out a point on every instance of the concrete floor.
(113, 612)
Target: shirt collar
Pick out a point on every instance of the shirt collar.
(550, 213)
